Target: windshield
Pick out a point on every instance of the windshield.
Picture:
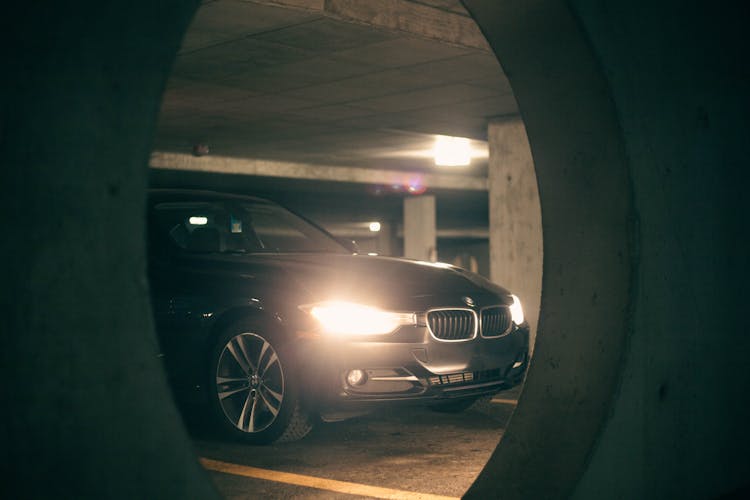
(240, 227)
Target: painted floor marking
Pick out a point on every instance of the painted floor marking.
(505, 401)
(316, 482)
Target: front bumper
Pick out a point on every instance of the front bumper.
(409, 367)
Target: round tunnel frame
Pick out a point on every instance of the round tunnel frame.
(587, 279)
(118, 188)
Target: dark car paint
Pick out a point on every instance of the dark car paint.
(196, 295)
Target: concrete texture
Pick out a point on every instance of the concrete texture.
(411, 17)
(515, 217)
(269, 168)
(637, 158)
(415, 450)
(636, 117)
(420, 241)
(679, 422)
(586, 206)
(86, 409)
(386, 240)
(345, 83)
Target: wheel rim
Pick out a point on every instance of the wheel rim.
(249, 382)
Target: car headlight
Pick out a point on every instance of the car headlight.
(516, 310)
(347, 318)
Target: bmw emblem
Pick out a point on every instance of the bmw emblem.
(468, 301)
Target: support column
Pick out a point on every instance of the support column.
(420, 241)
(385, 244)
(515, 217)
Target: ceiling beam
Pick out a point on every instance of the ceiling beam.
(290, 170)
(411, 17)
(315, 5)
(406, 16)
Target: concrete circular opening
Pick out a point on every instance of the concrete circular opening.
(111, 395)
(80, 109)
(236, 58)
(590, 261)
(586, 217)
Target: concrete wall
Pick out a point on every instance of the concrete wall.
(636, 115)
(679, 423)
(86, 409)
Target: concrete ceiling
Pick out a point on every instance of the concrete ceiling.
(341, 82)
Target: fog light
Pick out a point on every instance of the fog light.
(356, 377)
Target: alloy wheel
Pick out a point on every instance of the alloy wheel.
(250, 382)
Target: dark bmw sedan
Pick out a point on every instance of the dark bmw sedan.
(274, 323)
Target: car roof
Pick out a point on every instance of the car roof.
(170, 194)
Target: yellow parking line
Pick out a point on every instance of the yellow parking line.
(505, 401)
(316, 482)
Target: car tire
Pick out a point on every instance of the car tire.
(254, 393)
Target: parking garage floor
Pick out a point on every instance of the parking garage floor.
(414, 453)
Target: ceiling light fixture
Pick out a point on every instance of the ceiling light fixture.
(374, 227)
(452, 151)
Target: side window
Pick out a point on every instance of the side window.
(202, 227)
(230, 226)
(275, 233)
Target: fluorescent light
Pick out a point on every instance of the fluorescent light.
(452, 151)
(198, 221)
(374, 227)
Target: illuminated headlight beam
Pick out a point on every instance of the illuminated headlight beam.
(347, 318)
(516, 310)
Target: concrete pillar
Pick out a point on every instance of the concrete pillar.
(515, 217)
(420, 241)
(385, 244)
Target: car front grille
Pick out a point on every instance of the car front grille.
(452, 324)
(466, 377)
(453, 378)
(496, 321)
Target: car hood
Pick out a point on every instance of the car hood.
(380, 281)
